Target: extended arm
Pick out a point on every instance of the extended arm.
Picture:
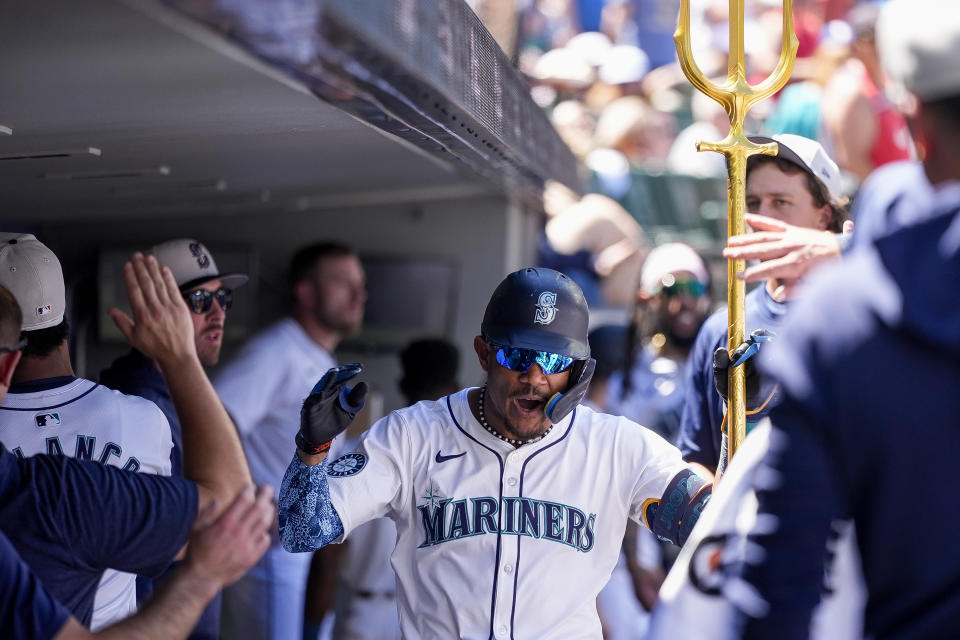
(786, 252)
(219, 553)
(308, 520)
(161, 328)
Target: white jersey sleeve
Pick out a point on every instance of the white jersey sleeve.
(380, 490)
(655, 462)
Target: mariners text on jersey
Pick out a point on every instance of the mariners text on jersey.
(447, 519)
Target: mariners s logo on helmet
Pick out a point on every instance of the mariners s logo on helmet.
(546, 308)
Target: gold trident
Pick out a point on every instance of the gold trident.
(736, 96)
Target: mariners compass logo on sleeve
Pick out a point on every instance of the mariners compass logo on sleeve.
(347, 465)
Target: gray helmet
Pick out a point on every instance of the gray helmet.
(539, 309)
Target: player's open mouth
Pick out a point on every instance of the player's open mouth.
(528, 405)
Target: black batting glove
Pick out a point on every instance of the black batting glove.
(330, 408)
(742, 355)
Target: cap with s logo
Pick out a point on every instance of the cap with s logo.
(192, 264)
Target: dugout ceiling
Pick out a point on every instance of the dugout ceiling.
(126, 108)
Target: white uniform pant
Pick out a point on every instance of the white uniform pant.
(267, 603)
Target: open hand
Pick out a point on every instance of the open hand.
(220, 551)
(786, 252)
(161, 327)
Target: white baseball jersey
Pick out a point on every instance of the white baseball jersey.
(497, 541)
(87, 421)
(704, 596)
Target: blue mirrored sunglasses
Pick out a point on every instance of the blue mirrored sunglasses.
(517, 359)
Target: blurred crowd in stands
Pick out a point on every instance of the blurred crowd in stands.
(606, 73)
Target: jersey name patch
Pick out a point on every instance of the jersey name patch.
(347, 465)
(546, 308)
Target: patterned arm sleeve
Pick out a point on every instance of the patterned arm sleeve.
(308, 520)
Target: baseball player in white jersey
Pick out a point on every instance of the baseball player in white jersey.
(49, 410)
(510, 500)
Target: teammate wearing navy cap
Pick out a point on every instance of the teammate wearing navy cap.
(505, 497)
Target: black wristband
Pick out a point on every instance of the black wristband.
(309, 448)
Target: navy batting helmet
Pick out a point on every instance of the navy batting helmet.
(538, 309)
(544, 310)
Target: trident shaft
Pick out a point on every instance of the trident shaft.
(736, 96)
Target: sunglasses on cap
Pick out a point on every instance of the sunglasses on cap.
(17, 347)
(672, 286)
(200, 300)
(517, 359)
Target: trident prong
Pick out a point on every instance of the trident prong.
(736, 96)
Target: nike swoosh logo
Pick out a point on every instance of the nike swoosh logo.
(442, 458)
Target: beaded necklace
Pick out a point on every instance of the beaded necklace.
(483, 423)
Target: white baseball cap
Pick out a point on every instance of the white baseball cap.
(192, 264)
(919, 46)
(667, 259)
(810, 156)
(33, 275)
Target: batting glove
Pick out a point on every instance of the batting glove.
(330, 408)
(742, 355)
